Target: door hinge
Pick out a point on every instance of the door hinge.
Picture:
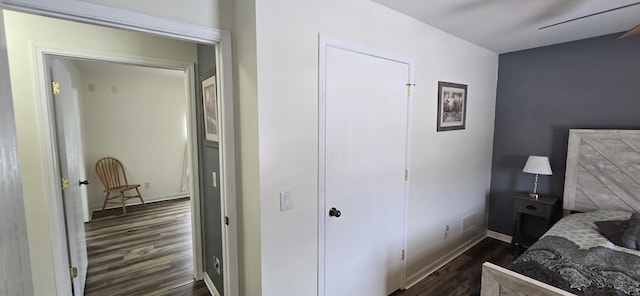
(55, 87)
(402, 254)
(406, 175)
(409, 85)
(74, 272)
(226, 220)
(65, 183)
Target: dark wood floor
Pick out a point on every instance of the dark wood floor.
(462, 275)
(146, 252)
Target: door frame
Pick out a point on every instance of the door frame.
(92, 13)
(15, 266)
(227, 156)
(117, 18)
(46, 111)
(325, 41)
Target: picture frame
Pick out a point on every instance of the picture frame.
(210, 106)
(452, 106)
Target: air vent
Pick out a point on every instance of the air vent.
(470, 223)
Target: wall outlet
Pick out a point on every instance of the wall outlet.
(214, 179)
(285, 201)
(216, 264)
(147, 185)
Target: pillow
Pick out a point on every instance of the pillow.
(613, 230)
(631, 236)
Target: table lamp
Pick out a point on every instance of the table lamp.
(538, 165)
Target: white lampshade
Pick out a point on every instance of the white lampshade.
(537, 165)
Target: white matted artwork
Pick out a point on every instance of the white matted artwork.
(210, 108)
(452, 106)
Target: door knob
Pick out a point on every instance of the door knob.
(84, 182)
(334, 212)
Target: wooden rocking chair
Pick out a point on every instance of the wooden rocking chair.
(111, 174)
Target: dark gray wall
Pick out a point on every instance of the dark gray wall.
(209, 162)
(541, 94)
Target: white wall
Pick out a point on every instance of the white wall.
(248, 201)
(276, 68)
(195, 19)
(200, 12)
(22, 32)
(450, 171)
(142, 123)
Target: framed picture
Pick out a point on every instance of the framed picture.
(452, 106)
(210, 105)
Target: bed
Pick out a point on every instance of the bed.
(602, 183)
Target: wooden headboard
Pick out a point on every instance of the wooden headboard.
(603, 170)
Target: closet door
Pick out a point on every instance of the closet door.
(365, 162)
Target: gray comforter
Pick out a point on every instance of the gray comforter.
(574, 257)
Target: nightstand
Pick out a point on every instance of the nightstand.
(545, 207)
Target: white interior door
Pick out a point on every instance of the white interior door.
(365, 162)
(70, 158)
(82, 169)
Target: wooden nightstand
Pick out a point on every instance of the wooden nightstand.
(546, 207)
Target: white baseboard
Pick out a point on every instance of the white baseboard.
(210, 285)
(499, 236)
(442, 261)
(133, 202)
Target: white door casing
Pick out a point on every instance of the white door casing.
(46, 110)
(71, 165)
(103, 15)
(364, 128)
(15, 269)
(161, 27)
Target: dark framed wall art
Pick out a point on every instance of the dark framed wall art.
(210, 106)
(452, 106)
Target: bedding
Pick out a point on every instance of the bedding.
(575, 257)
(613, 230)
(631, 236)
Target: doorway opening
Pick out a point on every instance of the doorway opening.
(138, 115)
(95, 43)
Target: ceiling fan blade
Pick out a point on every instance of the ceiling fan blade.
(633, 31)
(590, 15)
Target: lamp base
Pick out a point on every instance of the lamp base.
(533, 195)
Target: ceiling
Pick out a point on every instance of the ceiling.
(509, 25)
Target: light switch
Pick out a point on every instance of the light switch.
(285, 201)
(214, 178)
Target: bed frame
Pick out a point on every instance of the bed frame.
(603, 172)
(501, 281)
